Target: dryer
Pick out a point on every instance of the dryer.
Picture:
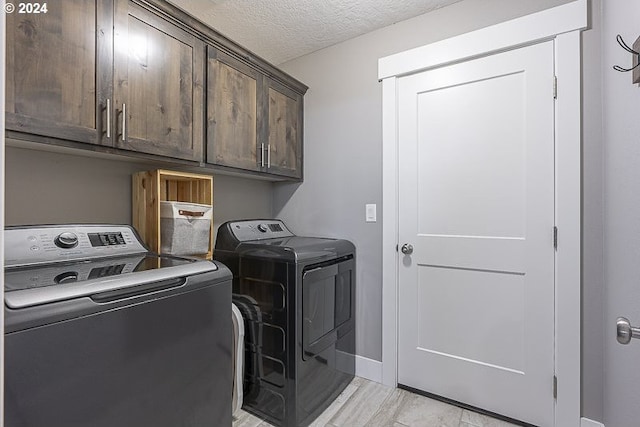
(297, 296)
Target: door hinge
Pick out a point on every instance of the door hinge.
(555, 387)
(555, 238)
(555, 87)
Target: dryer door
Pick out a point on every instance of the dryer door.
(327, 304)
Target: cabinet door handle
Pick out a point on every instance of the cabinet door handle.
(268, 155)
(108, 118)
(262, 155)
(124, 122)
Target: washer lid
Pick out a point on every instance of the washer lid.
(41, 284)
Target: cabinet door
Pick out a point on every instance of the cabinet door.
(284, 147)
(233, 116)
(158, 86)
(58, 70)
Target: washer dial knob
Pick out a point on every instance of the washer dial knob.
(66, 277)
(263, 228)
(66, 240)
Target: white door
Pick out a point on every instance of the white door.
(476, 202)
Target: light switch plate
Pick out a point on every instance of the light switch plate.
(370, 212)
(636, 58)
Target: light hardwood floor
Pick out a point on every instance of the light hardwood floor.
(367, 403)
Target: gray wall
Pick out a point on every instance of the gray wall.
(621, 101)
(45, 187)
(343, 160)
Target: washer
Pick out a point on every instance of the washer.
(297, 297)
(101, 332)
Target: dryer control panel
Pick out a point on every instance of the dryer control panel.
(259, 229)
(28, 245)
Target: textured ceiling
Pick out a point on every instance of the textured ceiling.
(280, 30)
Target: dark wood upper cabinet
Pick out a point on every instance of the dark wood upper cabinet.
(254, 123)
(141, 77)
(284, 142)
(233, 114)
(159, 85)
(58, 71)
(106, 73)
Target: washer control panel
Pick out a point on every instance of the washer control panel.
(259, 229)
(106, 239)
(43, 244)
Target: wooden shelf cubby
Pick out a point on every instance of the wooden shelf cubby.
(152, 187)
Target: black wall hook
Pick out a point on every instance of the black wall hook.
(626, 47)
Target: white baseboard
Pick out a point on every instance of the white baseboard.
(369, 369)
(586, 422)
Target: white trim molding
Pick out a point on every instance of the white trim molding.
(568, 221)
(369, 369)
(3, 26)
(586, 422)
(529, 29)
(562, 24)
(389, 234)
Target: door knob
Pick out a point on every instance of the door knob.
(624, 331)
(407, 249)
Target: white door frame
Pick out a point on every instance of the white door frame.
(2, 202)
(562, 24)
